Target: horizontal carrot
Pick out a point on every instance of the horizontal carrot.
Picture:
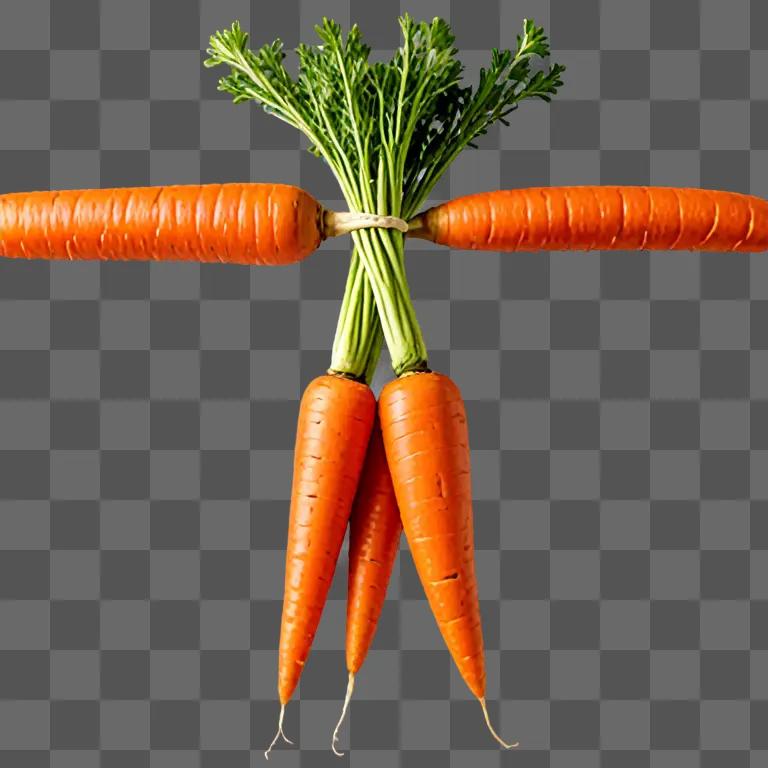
(265, 224)
(598, 218)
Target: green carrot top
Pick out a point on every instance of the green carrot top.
(388, 131)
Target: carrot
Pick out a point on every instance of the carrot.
(604, 218)
(335, 420)
(424, 426)
(233, 223)
(374, 536)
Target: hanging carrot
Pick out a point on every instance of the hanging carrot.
(424, 426)
(602, 218)
(265, 224)
(335, 420)
(374, 536)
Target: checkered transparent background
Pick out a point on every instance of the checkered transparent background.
(618, 410)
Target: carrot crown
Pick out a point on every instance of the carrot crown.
(388, 131)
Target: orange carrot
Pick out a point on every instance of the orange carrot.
(335, 420)
(424, 426)
(374, 536)
(602, 218)
(232, 223)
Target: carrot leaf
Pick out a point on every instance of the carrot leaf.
(388, 131)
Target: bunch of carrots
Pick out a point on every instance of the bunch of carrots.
(388, 131)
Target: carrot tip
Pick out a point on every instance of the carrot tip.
(347, 697)
(279, 733)
(493, 732)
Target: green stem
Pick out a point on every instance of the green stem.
(377, 304)
(358, 330)
(381, 252)
(358, 295)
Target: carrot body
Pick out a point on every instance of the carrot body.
(374, 537)
(231, 223)
(335, 420)
(598, 217)
(424, 426)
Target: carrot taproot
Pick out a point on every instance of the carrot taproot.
(598, 217)
(265, 224)
(426, 441)
(334, 426)
(234, 223)
(374, 537)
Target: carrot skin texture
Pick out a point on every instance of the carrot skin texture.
(424, 426)
(374, 538)
(334, 427)
(264, 224)
(599, 218)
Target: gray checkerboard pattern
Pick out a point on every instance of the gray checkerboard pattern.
(618, 406)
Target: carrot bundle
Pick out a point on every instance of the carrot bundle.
(387, 132)
(603, 218)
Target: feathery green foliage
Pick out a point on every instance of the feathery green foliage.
(388, 131)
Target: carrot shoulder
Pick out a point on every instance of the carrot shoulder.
(231, 223)
(598, 217)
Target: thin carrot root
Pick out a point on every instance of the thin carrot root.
(491, 729)
(279, 733)
(350, 688)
